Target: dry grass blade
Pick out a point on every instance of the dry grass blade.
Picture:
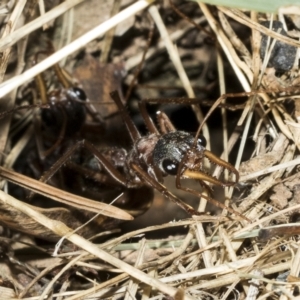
(62, 196)
(18, 221)
(30, 27)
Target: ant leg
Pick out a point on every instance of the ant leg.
(65, 80)
(164, 191)
(62, 76)
(21, 107)
(148, 121)
(41, 86)
(113, 174)
(204, 185)
(47, 175)
(92, 174)
(133, 131)
(164, 122)
(105, 163)
(209, 199)
(43, 153)
(182, 100)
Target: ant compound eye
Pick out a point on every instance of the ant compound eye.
(202, 141)
(170, 166)
(80, 93)
(77, 94)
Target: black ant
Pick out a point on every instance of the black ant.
(158, 154)
(170, 152)
(154, 156)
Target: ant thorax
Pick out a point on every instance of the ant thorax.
(142, 153)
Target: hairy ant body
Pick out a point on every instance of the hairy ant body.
(154, 156)
(160, 153)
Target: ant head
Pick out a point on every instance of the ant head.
(171, 148)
